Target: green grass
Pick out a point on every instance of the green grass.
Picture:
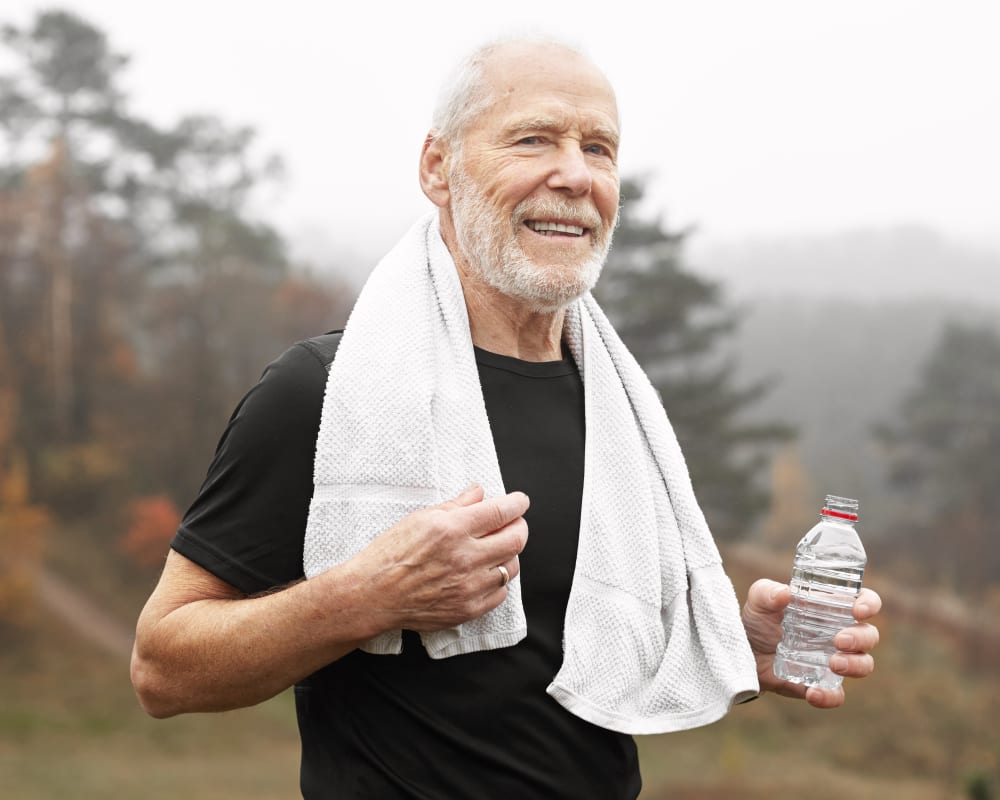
(70, 728)
(924, 726)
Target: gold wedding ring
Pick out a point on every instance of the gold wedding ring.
(504, 574)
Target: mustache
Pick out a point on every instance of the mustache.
(554, 208)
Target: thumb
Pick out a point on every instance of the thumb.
(767, 596)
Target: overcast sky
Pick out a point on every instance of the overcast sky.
(753, 119)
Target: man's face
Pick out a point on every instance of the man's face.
(534, 189)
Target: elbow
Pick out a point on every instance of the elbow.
(150, 688)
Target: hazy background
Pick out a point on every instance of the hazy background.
(754, 120)
(808, 266)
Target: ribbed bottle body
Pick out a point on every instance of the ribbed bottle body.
(826, 578)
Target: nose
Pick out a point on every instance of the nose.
(570, 173)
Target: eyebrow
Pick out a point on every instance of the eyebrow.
(606, 133)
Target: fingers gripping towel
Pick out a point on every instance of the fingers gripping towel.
(653, 640)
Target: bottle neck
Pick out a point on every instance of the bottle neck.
(847, 523)
(840, 517)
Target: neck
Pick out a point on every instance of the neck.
(503, 324)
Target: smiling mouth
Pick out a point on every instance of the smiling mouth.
(554, 228)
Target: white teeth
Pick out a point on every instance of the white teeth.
(540, 227)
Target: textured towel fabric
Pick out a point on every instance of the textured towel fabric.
(653, 640)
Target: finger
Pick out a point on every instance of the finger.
(825, 698)
(502, 572)
(513, 567)
(857, 638)
(492, 514)
(496, 583)
(867, 605)
(502, 546)
(473, 493)
(852, 665)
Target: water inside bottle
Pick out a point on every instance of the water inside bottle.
(822, 599)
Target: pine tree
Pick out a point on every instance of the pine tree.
(675, 323)
(944, 458)
(135, 284)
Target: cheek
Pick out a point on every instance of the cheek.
(606, 198)
(497, 191)
(508, 184)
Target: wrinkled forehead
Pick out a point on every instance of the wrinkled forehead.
(517, 64)
(519, 74)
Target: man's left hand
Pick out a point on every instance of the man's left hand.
(762, 615)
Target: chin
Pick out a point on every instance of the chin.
(542, 288)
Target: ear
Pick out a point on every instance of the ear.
(435, 159)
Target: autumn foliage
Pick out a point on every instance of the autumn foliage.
(139, 299)
(152, 524)
(22, 524)
(22, 536)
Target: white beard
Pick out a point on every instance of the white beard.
(489, 244)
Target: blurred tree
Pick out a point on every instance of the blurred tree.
(793, 508)
(22, 525)
(206, 322)
(152, 524)
(58, 117)
(674, 322)
(138, 295)
(944, 458)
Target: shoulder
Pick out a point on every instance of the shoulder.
(321, 348)
(245, 526)
(306, 356)
(280, 414)
(294, 379)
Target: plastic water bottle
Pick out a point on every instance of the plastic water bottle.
(826, 578)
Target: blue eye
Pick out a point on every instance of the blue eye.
(530, 140)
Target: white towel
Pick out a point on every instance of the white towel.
(653, 640)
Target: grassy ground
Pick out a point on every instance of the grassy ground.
(70, 728)
(924, 726)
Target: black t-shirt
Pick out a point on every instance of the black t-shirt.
(475, 725)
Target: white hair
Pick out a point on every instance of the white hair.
(466, 93)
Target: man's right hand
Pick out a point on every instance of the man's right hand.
(437, 567)
(201, 645)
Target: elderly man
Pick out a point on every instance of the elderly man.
(363, 531)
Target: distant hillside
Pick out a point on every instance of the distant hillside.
(841, 325)
(872, 265)
(838, 367)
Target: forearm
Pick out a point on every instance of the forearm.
(226, 651)
(202, 646)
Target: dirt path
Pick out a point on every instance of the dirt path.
(82, 615)
(942, 613)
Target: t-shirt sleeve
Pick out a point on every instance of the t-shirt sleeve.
(248, 521)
